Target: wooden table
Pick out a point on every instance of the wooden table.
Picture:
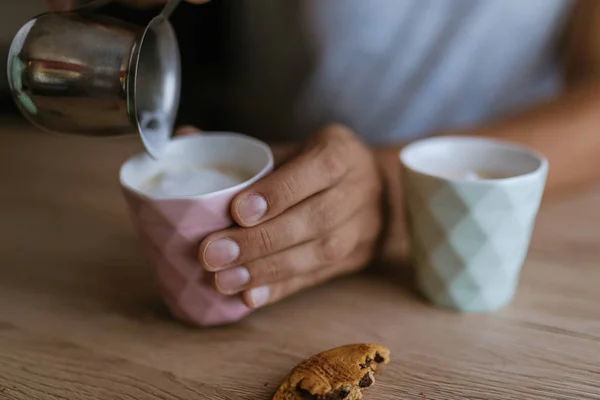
(79, 318)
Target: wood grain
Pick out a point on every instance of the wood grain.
(80, 319)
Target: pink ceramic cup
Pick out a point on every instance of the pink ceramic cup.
(171, 228)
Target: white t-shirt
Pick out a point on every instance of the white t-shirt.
(391, 69)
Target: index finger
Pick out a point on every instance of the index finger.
(317, 168)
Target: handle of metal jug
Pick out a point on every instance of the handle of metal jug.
(169, 8)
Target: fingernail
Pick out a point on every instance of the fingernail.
(232, 280)
(221, 252)
(259, 296)
(60, 5)
(252, 208)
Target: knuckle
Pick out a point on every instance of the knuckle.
(326, 215)
(336, 143)
(339, 132)
(335, 248)
(333, 163)
(267, 240)
(286, 192)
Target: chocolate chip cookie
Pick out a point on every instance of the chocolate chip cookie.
(336, 374)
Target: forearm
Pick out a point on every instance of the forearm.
(566, 130)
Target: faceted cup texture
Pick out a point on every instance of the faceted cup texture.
(171, 228)
(170, 231)
(469, 239)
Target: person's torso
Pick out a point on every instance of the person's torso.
(390, 69)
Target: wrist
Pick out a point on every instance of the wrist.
(393, 244)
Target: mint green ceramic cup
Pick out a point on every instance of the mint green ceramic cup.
(471, 205)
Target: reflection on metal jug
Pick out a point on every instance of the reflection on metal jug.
(87, 74)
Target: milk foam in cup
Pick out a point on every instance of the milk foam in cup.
(187, 180)
(178, 200)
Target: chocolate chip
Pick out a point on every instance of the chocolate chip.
(305, 394)
(365, 381)
(378, 358)
(339, 394)
(367, 363)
